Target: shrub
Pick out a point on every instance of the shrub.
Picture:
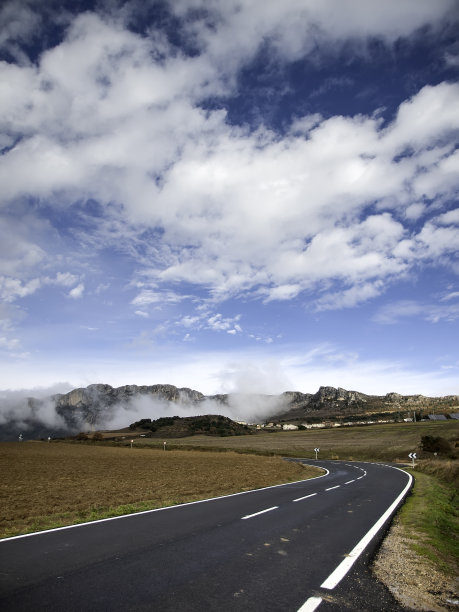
(435, 444)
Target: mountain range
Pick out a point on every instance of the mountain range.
(102, 406)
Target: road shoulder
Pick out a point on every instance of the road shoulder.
(411, 578)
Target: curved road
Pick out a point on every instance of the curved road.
(286, 548)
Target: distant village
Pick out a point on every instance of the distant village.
(332, 424)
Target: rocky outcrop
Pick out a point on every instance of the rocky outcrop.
(105, 395)
(331, 402)
(93, 407)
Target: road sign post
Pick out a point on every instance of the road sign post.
(412, 456)
(316, 450)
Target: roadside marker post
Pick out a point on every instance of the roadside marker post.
(412, 456)
(316, 450)
(132, 442)
(164, 445)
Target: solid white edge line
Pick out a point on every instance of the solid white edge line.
(199, 501)
(338, 574)
(310, 604)
(257, 513)
(305, 497)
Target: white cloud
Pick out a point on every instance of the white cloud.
(77, 292)
(350, 297)
(9, 344)
(18, 252)
(188, 321)
(64, 279)
(239, 211)
(283, 292)
(395, 312)
(296, 27)
(219, 323)
(450, 296)
(449, 218)
(426, 119)
(415, 211)
(13, 288)
(436, 241)
(149, 296)
(16, 408)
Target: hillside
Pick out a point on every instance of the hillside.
(339, 403)
(102, 406)
(181, 427)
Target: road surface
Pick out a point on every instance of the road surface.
(286, 548)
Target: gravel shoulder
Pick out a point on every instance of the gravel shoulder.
(411, 578)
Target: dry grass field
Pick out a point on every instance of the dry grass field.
(388, 442)
(46, 485)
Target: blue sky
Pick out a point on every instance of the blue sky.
(230, 196)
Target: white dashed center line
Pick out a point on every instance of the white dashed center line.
(311, 604)
(261, 512)
(305, 497)
(330, 488)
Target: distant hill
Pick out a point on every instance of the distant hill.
(330, 402)
(101, 406)
(181, 427)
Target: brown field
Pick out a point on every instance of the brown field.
(46, 485)
(386, 442)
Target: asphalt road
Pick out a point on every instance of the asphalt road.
(286, 548)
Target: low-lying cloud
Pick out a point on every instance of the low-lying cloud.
(24, 408)
(24, 411)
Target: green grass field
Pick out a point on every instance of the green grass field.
(386, 442)
(430, 517)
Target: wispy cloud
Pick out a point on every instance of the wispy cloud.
(395, 312)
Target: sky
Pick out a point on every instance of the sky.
(236, 196)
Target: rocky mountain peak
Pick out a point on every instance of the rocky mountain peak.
(94, 406)
(331, 394)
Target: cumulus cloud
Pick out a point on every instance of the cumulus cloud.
(239, 210)
(337, 207)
